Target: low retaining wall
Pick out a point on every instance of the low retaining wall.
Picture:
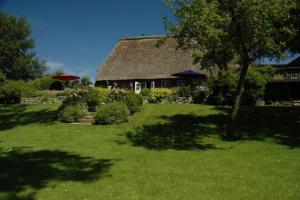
(38, 100)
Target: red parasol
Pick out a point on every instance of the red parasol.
(66, 77)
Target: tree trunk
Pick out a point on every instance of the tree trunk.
(237, 102)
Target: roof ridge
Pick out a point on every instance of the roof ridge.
(143, 37)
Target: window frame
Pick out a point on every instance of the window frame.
(165, 84)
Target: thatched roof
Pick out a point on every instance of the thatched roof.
(139, 58)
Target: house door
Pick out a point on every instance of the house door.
(137, 87)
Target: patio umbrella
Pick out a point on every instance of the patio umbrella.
(66, 77)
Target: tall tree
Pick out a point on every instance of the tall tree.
(17, 58)
(294, 42)
(220, 29)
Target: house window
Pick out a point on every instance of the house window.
(143, 85)
(181, 83)
(165, 83)
(292, 76)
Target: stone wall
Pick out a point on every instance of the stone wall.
(37, 100)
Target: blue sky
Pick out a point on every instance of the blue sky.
(77, 35)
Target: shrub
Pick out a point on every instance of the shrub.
(160, 95)
(74, 97)
(134, 102)
(57, 85)
(65, 92)
(11, 92)
(103, 94)
(199, 95)
(255, 84)
(72, 112)
(42, 83)
(2, 78)
(86, 81)
(184, 91)
(222, 88)
(92, 99)
(117, 95)
(28, 90)
(112, 113)
(145, 92)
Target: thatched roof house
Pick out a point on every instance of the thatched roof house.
(139, 62)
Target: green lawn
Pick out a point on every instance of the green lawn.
(164, 152)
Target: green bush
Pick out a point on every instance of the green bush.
(159, 95)
(11, 92)
(198, 95)
(2, 78)
(117, 95)
(92, 99)
(222, 88)
(134, 102)
(65, 92)
(28, 90)
(42, 83)
(86, 81)
(184, 91)
(72, 112)
(145, 92)
(57, 85)
(103, 94)
(255, 84)
(75, 96)
(112, 113)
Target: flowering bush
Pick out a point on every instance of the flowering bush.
(160, 95)
(75, 96)
(117, 95)
(103, 95)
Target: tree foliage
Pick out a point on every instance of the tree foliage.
(219, 30)
(294, 42)
(255, 84)
(17, 58)
(222, 87)
(86, 81)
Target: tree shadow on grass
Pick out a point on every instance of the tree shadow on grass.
(180, 132)
(185, 131)
(22, 170)
(18, 115)
(281, 123)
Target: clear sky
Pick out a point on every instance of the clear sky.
(77, 35)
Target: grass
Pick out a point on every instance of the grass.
(164, 152)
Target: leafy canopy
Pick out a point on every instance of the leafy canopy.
(220, 29)
(17, 59)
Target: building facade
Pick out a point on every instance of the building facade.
(137, 63)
